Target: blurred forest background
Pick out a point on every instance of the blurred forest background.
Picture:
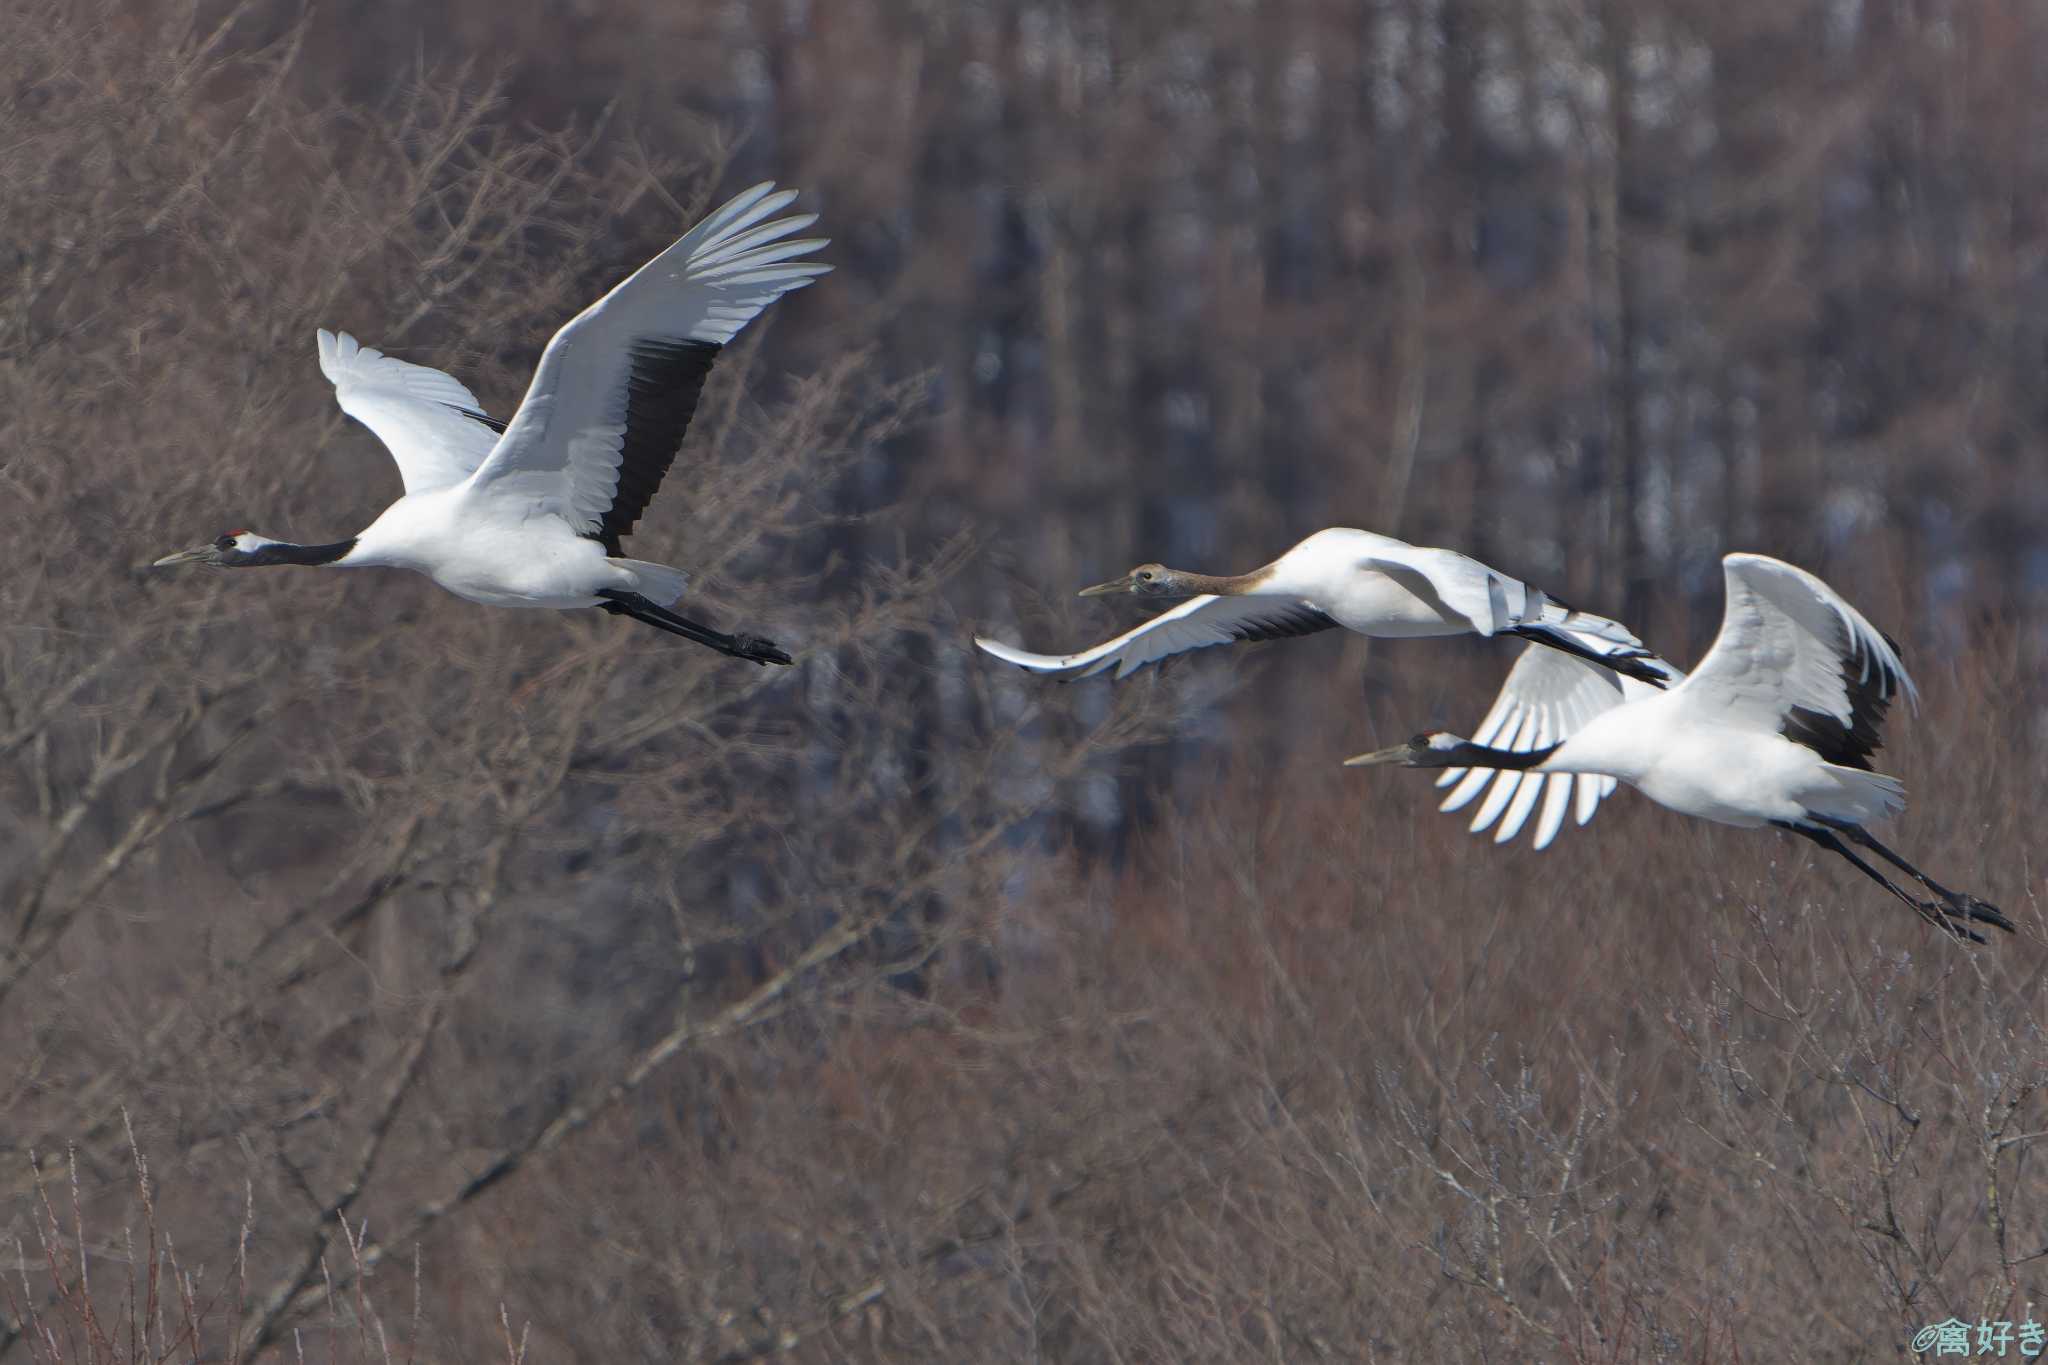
(893, 1007)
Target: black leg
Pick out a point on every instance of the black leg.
(1628, 665)
(1939, 914)
(1982, 911)
(661, 618)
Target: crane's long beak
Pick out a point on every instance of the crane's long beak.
(196, 555)
(1378, 756)
(1104, 589)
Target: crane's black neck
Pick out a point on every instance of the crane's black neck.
(1466, 754)
(283, 552)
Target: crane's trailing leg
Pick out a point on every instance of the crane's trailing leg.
(1982, 911)
(661, 618)
(1941, 914)
(1627, 662)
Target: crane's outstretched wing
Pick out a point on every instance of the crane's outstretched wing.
(1547, 697)
(1195, 624)
(433, 426)
(616, 388)
(1795, 658)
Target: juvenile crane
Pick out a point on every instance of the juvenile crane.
(1372, 584)
(532, 512)
(1775, 727)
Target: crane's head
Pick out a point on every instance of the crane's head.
(1147, 580)
(231, 551)
(1437, 749)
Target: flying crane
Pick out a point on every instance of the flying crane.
(532, 512)
(1385, 588)
(1372, 584)
(1776, 726)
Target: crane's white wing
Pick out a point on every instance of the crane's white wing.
(1490, 599)
(1794, 658)
(1195, 624)
(1547, 697)
(433, 426)
(617, 386)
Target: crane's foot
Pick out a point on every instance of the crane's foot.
(1956, 912)
(757, 650)
(1631, 666)
(1983, 912)
(1630, 661)
(1946, 918)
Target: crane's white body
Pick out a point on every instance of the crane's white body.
(1371, 584)
(1682, 757)
(1378, 586)
(1715, 744)
(477, 546)
(531, 516)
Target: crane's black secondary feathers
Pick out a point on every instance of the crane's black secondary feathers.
(1869, 689)
(1285, 623)
(663, 384)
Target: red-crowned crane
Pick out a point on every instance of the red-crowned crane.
(1775, 727)
(532, 512)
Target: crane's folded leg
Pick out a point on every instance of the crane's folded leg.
(1983, 911)
(1627, 662)
(750, 647)
(1941, 914)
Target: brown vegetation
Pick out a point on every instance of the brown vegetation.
(892, 1007)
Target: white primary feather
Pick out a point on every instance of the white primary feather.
(1196, 623)
(1787, 640)
(561, 452)
(1547, 697)
(425, 417)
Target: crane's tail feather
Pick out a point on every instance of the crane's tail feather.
(1856, 795)
(658, 583)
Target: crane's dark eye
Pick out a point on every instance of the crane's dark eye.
(224, 543)
(1144, 575)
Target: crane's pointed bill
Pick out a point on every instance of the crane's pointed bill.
(1398, 754)
(1105, 589)
(198, 554)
